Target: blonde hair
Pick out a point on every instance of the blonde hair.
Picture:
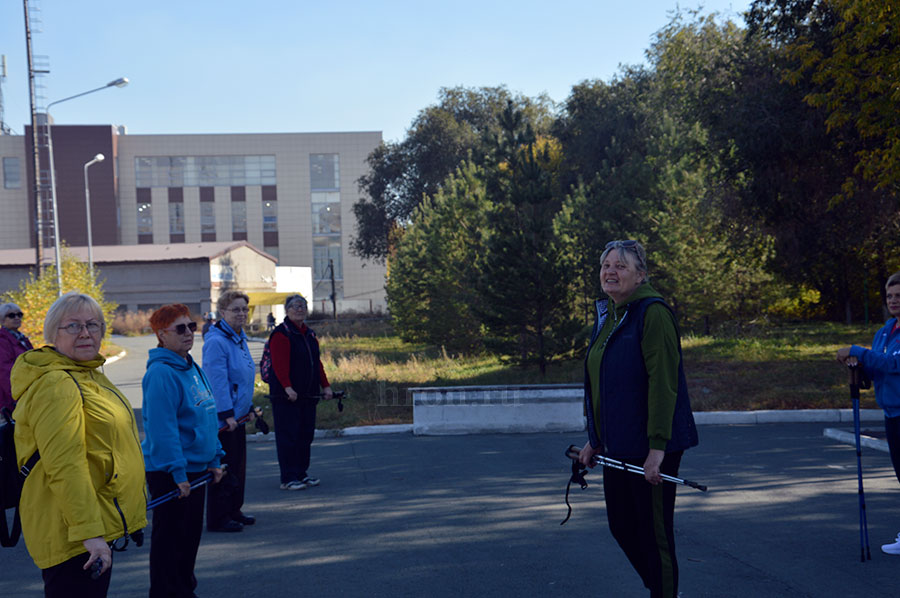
(69, 303)
(227, 297)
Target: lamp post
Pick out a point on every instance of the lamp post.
(87, 207)
(120, 82)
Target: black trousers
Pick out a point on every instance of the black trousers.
(226, 498)
(175, 538)
(68, 579)
(892, 431)
(641, 519)
(295, 428)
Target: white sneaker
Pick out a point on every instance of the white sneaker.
(892, 548)
(293, 485)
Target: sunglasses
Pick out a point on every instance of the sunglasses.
(182, 328)
(626, 244)
(17, 314)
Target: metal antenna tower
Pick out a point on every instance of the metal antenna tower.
(4, 128)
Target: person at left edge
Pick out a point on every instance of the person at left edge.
(231, 371)
(12, 344)
(181, 443)
(87, 488)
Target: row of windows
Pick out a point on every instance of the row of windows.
(12, 173)
(207, 217)
(204, 171)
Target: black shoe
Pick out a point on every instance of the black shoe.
(228, 526)
(245, 519)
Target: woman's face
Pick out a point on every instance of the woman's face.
(83, 344)
(13, 320)
(297, 312)
(892, 296)
(618, 276)
(173, 341)
(236, 314)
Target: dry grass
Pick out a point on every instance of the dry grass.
(773, 367)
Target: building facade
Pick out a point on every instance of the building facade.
(289, 195)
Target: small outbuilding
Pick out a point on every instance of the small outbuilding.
(142, 277)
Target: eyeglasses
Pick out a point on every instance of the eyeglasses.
(17, 314)
(182, 328)
(75, 328)
(239, 310)
(626, 244)
(297, 305)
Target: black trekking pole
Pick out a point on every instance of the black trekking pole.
(337, 394)
(857, 382)
(204, 479)
(579, 471)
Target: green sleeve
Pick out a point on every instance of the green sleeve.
(659, 344)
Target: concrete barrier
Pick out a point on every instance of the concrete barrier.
(498, 409)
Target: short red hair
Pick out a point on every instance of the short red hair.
(165, 315)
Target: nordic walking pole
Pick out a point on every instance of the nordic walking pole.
(865, 552)
(572, 453)
(204, 479)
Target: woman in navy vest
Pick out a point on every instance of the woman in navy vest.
(299, 379)
(638, 411)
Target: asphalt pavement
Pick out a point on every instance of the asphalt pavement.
(400, 515)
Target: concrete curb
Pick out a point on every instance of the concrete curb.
(115, 358)
(848, 437)
(703, 418)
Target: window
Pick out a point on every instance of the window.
(239, 219)
(326, 213)
(207, 217)
(325, 249)
(12, 174)
(204, 171)
(270, 216)
(144, 219)
(324, 171)
(176, 218)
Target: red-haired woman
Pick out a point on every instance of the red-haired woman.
(181, 444)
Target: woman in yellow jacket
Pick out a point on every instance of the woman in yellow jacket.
(87, 488)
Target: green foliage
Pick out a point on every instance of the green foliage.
(433, 272)
(459, 127)
(36, 294)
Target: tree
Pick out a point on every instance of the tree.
(525, 285)
(440, 138)
(36, 294)
(431, 286)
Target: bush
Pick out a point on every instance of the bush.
(131, 323)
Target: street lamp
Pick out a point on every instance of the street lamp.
(120, 82)
(87, 206)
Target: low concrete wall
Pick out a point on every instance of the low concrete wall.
(498, 409)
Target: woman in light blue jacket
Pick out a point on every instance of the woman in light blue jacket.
(181, 444)
(231, 372)
(882, 364)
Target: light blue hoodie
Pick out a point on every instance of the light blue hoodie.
(230, 369)
(882, 364)
(180, 423)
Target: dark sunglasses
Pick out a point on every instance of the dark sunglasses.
(16, 314)
(626, 244)
(182, 328)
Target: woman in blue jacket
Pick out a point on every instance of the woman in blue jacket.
(231, 371)
(180, 445)
(882, 364)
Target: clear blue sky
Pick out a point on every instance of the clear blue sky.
(229, 66)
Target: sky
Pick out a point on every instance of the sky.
(230, 66)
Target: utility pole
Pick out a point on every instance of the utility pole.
(333, 293)
(35, 155)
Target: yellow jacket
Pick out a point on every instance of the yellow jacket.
(89, 480)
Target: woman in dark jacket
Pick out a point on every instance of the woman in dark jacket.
(12, 344)
(299, 379)
(639, 412)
